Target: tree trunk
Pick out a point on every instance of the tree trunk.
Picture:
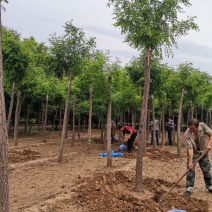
(55, 122)
(27, 119)
(17, 110)
(133, 118)
(79, 127)
(121, 124)
(4, 188)
(148, 130)
(67, 125)
(202, 114)
(209, 118)
(192, 112)
(109, 158)
(170, 107)
(188, 115)
(11, 107)
(45, 118)
(84, 123)
(195, 112)
(60, 127)
(90, 117)
(64, 121)
(153, 122)
(142, 123)
(179, 122)
(163, 122)
(74, 111)
(102, 136)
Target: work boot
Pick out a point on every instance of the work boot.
(187, 193)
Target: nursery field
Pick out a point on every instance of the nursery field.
(82, 182)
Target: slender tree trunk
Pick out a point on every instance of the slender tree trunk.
(55, 122)
(188, 116)
(38, 120)
(27, 119)
(11, 107)
(133, 118)
(202, 114)
(17, 119)
(163, 122)
(84, 123)
(121, 124)
(102, 135)
(19, 109)
(64, 121)
(195, 113)
(109, 109)
(43, 115)
(30, 129)
(60, 128)
(192, 112)
(79, 127)
(4, 188)
(170, 107)
(148, 129)
(90, 117)
(45, 118)
(142, 123)
(153, 122)
(74, 111)
(67, 125)
(179, 122)
(209, 118)
(174, 131)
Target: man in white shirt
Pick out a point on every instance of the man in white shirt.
(157, 127)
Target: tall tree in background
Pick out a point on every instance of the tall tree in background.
(15, 63)
(68, 52)
(147, 26)
(4, 188)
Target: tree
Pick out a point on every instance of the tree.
(67, 54)
(147, 26)
(4, 188)
(15, 63)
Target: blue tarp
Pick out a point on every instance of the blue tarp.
(113, 154)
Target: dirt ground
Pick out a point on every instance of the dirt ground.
(83, 182)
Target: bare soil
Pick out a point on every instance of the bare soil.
(83, 182)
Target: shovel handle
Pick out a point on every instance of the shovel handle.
(163, 198)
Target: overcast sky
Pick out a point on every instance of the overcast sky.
(41, 18)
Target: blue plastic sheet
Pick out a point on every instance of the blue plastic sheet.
(113, 154)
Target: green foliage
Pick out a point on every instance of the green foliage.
(68, 51)
(15, 58)
(152, 23)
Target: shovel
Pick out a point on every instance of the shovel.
(168, 192)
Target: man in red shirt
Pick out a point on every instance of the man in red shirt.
(132, 132)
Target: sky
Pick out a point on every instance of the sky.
(41, 18)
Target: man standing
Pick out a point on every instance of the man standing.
(157, 127)
(170, 127)
(196, 143)
(132, 132)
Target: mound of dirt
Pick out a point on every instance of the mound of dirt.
(15, 156)
(115, 192)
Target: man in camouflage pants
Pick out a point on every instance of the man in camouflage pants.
(196, 144)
